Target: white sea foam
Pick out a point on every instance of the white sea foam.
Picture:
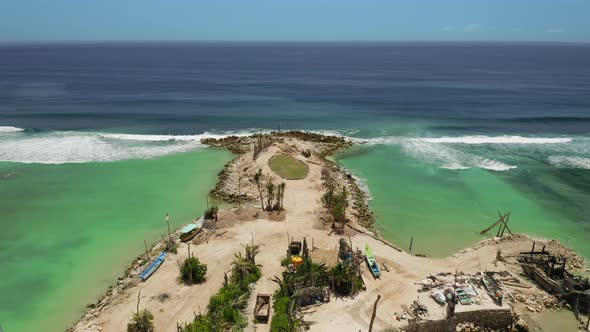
(476, 139)
(448, 158)
(182, 138)
(9, 129)
(570, 162)
(361, 182)
(69, 147)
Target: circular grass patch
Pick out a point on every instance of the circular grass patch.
(288, 167)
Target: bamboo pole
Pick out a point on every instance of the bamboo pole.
(168, 222)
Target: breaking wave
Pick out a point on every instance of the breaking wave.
(9, 129)
(173, 138)
(449, 158)
(570, 162)
(84, 147)
(497, 140)
(471, 140)
(445, 151)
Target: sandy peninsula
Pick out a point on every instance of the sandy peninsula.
(173, 302)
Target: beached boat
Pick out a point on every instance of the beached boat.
(371, 262)
(190, 231)
(463, 297)
(492, 288)
(153, 267)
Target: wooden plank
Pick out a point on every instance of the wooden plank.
(493, 225)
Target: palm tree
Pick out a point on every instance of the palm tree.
(270, 189)
(295, 317)
(282, 195)
(142, 321)
(257, 179)
(251, 252)
(242, 268)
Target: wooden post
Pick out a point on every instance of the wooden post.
(532, 249)
(146, 249)
(168, 222)
(138, 299)
(411, 243)
(374, 312)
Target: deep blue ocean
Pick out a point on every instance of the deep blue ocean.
(189, 88)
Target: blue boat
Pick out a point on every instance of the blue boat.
(153, 267)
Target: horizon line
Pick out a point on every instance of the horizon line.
(352, 41)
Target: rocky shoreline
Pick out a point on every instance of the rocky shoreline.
(322, 146)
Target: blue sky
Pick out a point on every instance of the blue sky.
(505, 20)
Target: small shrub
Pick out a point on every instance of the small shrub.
(171, 246)
(211, 213)
(142, 321)
(286, 317)
(202, 323)
(345, 280)
(306, 153)
(286, 261)
(280, 317)
(224, 308)
(193, 271)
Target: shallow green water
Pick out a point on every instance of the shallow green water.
(444, 210)
(552, 320)
(68, 230)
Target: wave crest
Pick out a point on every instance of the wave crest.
(173, 138)
(448, 158)
(470, 140)
(10, 129)
(478, 139)
(570, 162)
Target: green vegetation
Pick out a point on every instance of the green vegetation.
(261, 143)
(345, 281)
(336, 203)
(296, 289)
(142, 321)
(171, 246)
(288, 167)
(224, 312)
(286, 317)
(286, 261)
(192, 271)
(274, 193)
(311, 283)
(257, 180)
(306, 153)
(211, 212)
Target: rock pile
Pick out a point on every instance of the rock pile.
(471, 327)
(574, 262)
(538, 302)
